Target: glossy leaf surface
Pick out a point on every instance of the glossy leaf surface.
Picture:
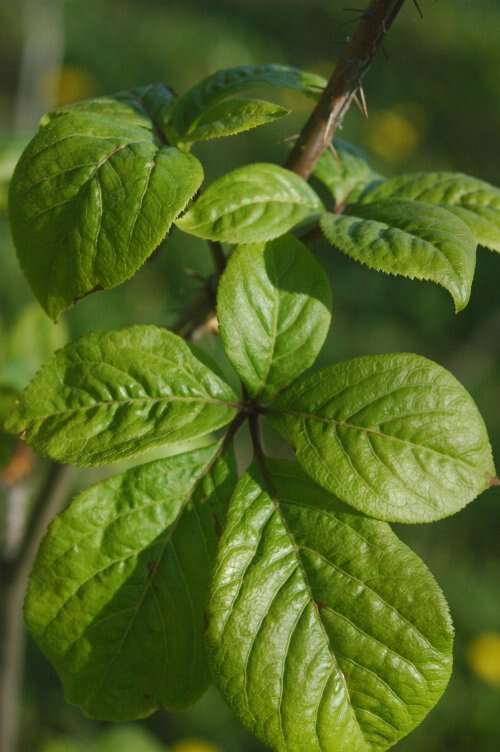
(115, 394)
(94, 194)
(345, 173)
(395, 436)
(408, 238)
(254, 203)
(118, 591)
(231, 117)
(274, 305)
(327, 634)
(476, 202)
(224, 83)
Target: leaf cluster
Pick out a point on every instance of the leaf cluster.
(324, 631)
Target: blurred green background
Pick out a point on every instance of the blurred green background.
(434, 103)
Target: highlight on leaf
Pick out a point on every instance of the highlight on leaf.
(115, 394)
(254, 203)
(274, 303)
(94, 194)
(117, 595)
(326, 632)
(397, 437)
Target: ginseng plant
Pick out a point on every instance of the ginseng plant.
(286, 587)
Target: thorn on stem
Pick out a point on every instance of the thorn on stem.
(419, 9)
(360, 99)
(494, 482)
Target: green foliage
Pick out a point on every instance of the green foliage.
(122, 577)
(251, 204)
(93, 195)
(325, 632)
(201, 98)
(231, 117)
(413, 239)
(280, 294)
(118, 740)
(476, 203)
(113, 395)
(395, 436)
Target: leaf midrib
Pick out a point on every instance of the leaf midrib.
(364, 429)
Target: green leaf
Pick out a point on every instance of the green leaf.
(476, 202)
(231, 117)
(8, 399)
(395, 436)
(93, 195)
(346, 174)
(409, 238)
(274, 304)
(251, 204)
(115, 394)
(327, 634)
(118, 591)
(224, 83)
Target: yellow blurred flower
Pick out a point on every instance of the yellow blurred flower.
(483, 655)
(194, 745)
(69, 84)
(395, 134)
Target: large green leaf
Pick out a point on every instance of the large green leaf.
(327, 634)
(114, 394)
(409, 238)
(395, 436)
(94, 194)
(224, 83)
(251, 204)
(233, 116)
(274, 305)
(476, 202)
(345, 173)
(117, 596)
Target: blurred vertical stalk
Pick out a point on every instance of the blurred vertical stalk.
(41, 60)
(15, 569)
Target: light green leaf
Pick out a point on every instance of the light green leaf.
(115, 394)
(231, 117)
(118, 591)
(10, 151)
(224, 83)
(346, 174)
(395, 436)
(327, 634)
(476, 202)
(253, 203)
(93, 195)
(409, 238)
(32, 340)
(274, 304)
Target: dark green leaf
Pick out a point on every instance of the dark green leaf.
(224, 83)
(345, 173)
(117, 596)
(93, 195)
(115, 394)
(476, 202)
(409, 238)
(327, 634)
(395, 436)
(231, 117)
(274, 304)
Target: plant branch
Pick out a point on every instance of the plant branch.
(355, 60)
(15, 573)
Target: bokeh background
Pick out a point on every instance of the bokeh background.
(434, 101)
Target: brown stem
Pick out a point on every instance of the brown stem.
(13, 587)
(355, 60)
